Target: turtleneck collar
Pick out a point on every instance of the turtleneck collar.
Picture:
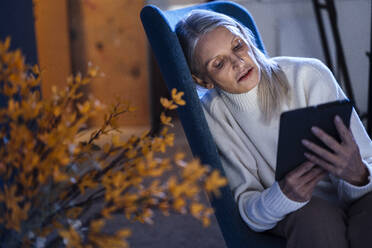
(247, 101)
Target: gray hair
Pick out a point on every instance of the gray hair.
(273, 88)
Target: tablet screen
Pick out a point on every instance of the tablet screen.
(295, 125)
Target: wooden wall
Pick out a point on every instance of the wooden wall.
(107, 34)
(53, 46)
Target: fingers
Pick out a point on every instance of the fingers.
(345, 134)
(312, 174)
(321, 152)
(302, 174)
(326, 139)
(324, 164)
(318, 176)
(292, 181)
(300, 184)
(302, 169)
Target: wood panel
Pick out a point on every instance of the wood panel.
(109, 34)
(53, 47)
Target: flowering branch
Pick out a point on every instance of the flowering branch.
(49, 181)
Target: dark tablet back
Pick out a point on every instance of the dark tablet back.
(295, 125)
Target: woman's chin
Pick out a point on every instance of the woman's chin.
(248, 85)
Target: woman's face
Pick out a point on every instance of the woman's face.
(226, 60)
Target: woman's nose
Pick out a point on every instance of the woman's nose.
(237, 61)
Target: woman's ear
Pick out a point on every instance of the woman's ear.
(201, 82)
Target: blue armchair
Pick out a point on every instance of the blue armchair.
(160, 29)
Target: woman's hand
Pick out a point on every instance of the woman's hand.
(345, 162)
(298, 185)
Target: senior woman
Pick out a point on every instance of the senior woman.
(324, 202)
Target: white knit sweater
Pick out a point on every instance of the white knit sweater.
(248, 146)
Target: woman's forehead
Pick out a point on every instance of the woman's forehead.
(234, 30)
(223, 32)
(220, 36)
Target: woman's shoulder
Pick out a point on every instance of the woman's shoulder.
(305, 70)
(311, 77)
(210, 99)
(215, 109)
(299, 63)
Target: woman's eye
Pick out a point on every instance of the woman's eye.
(218, 65)
(238, 46)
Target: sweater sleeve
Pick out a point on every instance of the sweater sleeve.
(323, 88)
(260, 208)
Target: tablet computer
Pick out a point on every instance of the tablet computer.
(295, 125)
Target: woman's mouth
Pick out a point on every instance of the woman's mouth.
(246, 75)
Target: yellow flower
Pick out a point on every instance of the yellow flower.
(57, 111)
(179, 156)
(131, 153)
(206, 221)
(116, 140)
(169, 139)
(167, 104)
(96, 225)
(92, 72)
(177, 97)
(131, 108)
(71, 238)
(78, 78)
(5, 46)
(196, 209)
(35, 69)
(215, 181)
(87, 182)
(124, 233)
(179, 205)
(59, 176)
(84, 108)
(166, 120)
(73, 213)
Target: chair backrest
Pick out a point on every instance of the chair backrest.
(160, 29)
